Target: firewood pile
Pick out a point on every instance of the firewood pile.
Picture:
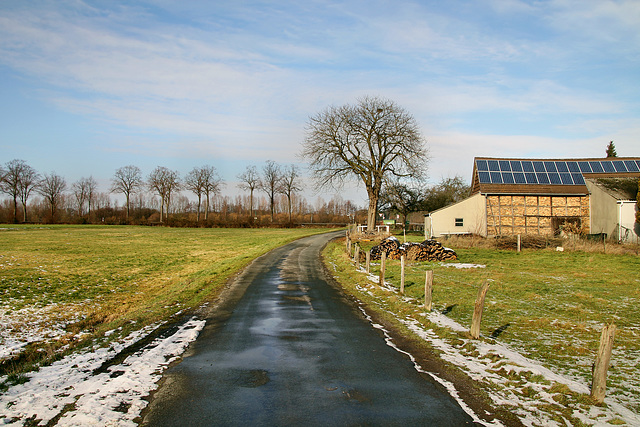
(429, 250)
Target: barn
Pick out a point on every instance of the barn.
(543, 197)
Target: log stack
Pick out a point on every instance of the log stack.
(429, 250)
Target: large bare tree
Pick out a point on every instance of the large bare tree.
(203, 181)
(164, 182)
(52, 187)
(372, 141)
(127, 180)
(290, 184)
(271, 182)
(249, 180)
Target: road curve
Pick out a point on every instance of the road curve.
(287, 348)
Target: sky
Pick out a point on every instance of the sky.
(87, 87)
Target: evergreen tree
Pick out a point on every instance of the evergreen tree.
(611, 150)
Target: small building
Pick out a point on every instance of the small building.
(543, 197)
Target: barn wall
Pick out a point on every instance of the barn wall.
(535, 214)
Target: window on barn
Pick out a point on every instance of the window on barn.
(459, 222)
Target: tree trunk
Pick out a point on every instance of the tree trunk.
(198, 210)
(15, 210)
(372, 213)
(24, 212)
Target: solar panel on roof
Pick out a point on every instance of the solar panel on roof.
(538, 167)
(531, 178)
(573, 167)
(577, 178)
(619, 166)
(607, 166)
(638, 163)
(493, 166)
(554, 178)
(550, 166)
(496, 178)
(527, 166)
(484, 177)
(482, 165)
(542, 178)
(562, 167)
(566, 179)
(505, 166)
(631, 166)
(518, 177)
(596, 167)
(507, 178)
(516, 166)
(584, 167)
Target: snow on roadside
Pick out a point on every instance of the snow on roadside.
(115, 397)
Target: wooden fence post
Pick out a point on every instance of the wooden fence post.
(477, 311)
(357, 256)
(601, 364)
(519, 243)
(428, 290)
(383, 259)
(368, 262)
(402, 275)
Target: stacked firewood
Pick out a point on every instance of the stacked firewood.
(429, 250)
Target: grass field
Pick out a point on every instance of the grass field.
(549, 306)
(64, 287)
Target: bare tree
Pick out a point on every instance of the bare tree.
(27, 184)
(402, 198)
(203, 181)
(18, 180)
(211, 185)
(127, 180)
(92, 188)
(271, 182)
(163, 182)
(250, 180)
(371, 141)
(289, 184)
(52, 187)
(83, 192)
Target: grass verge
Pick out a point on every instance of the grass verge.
(548, 306)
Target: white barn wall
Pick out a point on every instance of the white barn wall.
(472, 211)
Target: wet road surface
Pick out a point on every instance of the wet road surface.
(289, 349)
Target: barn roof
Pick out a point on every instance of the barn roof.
(546, 176)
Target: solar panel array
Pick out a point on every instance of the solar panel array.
(553, 172)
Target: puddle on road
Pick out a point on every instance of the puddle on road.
(252, 378)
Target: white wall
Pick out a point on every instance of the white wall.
(472, 211)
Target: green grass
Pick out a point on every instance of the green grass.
(102, 278)
(550, 306)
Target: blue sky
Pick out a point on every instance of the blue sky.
(90, 86)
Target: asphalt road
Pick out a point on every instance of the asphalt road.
(286, 348)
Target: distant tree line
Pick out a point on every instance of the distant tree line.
(273, 198)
